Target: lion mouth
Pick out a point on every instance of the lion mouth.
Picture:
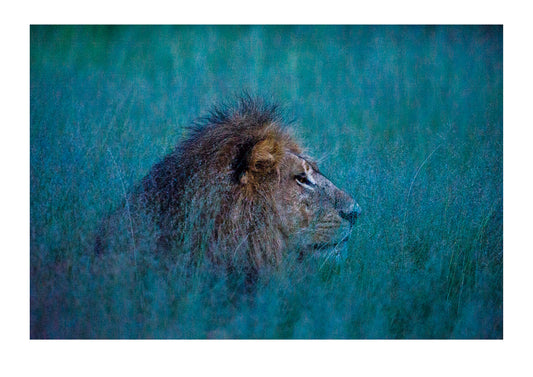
(331, 252)
(333, 245)
(329, 245)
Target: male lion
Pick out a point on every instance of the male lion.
(240, 192)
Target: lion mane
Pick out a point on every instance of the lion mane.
(216, 190)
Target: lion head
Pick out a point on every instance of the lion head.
(240, 191)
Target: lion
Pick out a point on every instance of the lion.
(241, 193)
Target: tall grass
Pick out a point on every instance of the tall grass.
(406, 119)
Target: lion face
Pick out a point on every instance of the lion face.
(316, 214)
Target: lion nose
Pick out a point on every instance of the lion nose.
(352, 214)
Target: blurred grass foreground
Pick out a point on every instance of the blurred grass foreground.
(407, 119)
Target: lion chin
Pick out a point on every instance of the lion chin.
(239, 192)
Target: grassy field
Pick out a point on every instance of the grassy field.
(409, 120)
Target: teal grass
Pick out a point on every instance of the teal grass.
(407, 119)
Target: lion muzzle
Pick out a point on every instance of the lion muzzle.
(352, 214)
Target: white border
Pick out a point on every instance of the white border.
(20, 355)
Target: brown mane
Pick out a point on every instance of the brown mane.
(232, 158)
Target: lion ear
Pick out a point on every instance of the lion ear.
(264, 159)
(265, 156)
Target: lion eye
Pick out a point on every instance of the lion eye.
(302, 180)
